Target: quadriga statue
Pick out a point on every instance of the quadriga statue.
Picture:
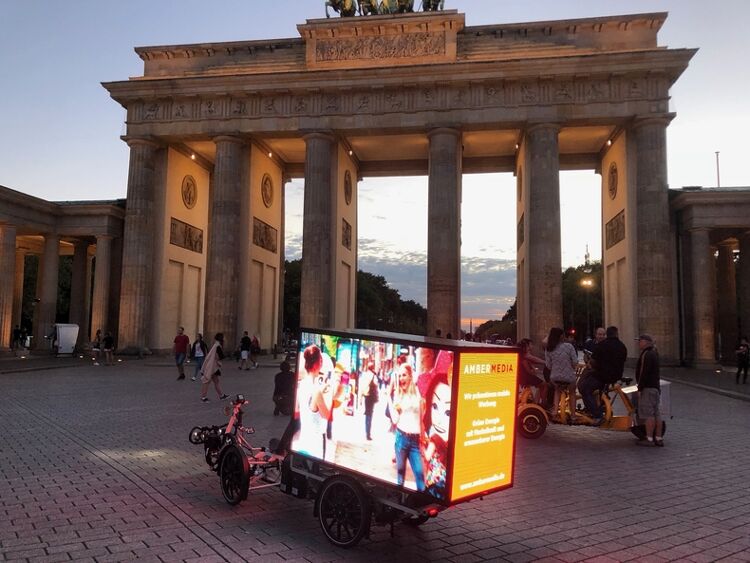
(396, 6)
(346, 8)
(368, 7)
(432, 5)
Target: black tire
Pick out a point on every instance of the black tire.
(234, 475)
(344, 511)
(196, 435)
(415, 520)
(531, 423)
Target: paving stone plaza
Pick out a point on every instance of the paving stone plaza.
(95, 465)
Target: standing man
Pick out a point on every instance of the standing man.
(607, 365)
(244, 351)
(180, 350)
(649, 390)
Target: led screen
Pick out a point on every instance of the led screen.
(485, 423)
(381, 409)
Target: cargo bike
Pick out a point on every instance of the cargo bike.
(388, 428)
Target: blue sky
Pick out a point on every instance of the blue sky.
(59, 130)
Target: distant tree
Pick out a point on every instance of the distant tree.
(499, 329)
(580, 299)
(379, 307)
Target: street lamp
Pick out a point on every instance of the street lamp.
(588, 284)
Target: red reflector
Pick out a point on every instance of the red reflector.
(432, 512)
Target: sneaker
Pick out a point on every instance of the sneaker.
(192, 378)
(96, 363)
(659, 443)
(204, 399)
(224, 396)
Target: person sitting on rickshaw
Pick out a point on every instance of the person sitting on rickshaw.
(607, 365)
(527, 376)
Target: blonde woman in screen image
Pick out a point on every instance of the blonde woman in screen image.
(406, 414)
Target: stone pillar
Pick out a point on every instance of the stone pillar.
(7, 283)
(655, 249)
(544, 257)
(18, 286)
(743, 284)
(444, 233)
(224, 232)
(727, 289)
(318, 232)
(138, 247)
(46, 307)
(100, 300)
(703, 298)
(78, 289)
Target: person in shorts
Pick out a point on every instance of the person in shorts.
(244, 351)
(108, 346)
(649, 390)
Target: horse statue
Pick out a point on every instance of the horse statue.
(346, 8)
(368, 7)
(396, 6)
(432, 5)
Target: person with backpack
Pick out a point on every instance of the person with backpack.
(368, 388)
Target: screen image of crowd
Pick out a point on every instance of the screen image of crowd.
(378, 408)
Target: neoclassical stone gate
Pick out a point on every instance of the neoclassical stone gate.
(411, 94)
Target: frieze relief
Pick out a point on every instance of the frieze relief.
(380, 47)
(404, 99)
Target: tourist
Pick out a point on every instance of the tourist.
(561, 359)
(527, 371)
(283, 390)
(96, 346)
(198, 353)
(211, 370)
(254, 350)
(16, 339)
(649, 390)
(108, 346)
(180, 350)
(607, 364)
(244, 351)
(368, 392)
(743, 359)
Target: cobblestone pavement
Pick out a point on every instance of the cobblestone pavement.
(95, 465)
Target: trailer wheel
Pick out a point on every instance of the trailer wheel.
(344, 511)
(234, 475)
(531, 423)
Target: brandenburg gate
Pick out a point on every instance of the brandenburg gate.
(215, 130)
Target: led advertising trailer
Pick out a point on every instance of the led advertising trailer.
(426, 415)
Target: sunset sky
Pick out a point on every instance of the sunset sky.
(59, 130)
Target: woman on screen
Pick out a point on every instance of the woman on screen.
(312, 406)
(437, 421)
(406, 415)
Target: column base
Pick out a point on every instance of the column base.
(710, 365)
(134, 351)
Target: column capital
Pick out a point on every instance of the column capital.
(445, 131)
(531, 127)
(324, 135)
(142, 141)
(656, 119)
(104, 237)
(230, 139)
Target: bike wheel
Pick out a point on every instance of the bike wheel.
(531, 423)
(344, 511)
(234, 475)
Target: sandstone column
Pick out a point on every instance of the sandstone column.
(46, 307)
(224, 231)
(743, 284)
(655, 246)
(318, 232)
(727, 289)
(7, 283)
(100, 300)
(138, 247)
(444, 233)
(703, 297)
(543, 216)
(18, 287)
(78, 289)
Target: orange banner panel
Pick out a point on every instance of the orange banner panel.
(485, 423)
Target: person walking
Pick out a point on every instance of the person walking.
(96, 346)
(254, 350)
(180, 350)
(743, 359)
(368, 388)
(108, 347)
(649, 390)
(198, 353)
(211, 371)
(561, 359)
(245, 343)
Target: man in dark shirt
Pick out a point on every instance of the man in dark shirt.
(283, 391)
(244, 351)
(180, 351)
(607, 362)
(649, 390)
